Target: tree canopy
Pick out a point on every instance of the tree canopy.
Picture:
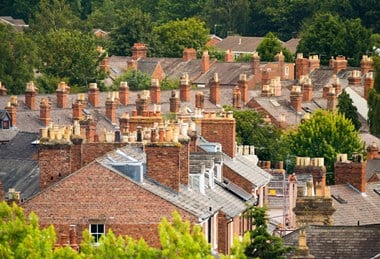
(346, 107)
(374, 102)
(270, 46)
(325, 134)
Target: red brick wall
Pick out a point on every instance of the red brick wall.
(30, 99)
(223, 233)
(91, 151)
(98, 194)
(111, 107)
(353, 173)
(184, 162)
(77, 110)
(61, 98)
(184, 92)
(124, 94)
(93, 96)
(163, 164)
(237, 179)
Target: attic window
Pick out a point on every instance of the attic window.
(339, 199)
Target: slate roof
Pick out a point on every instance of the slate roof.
(354, 242)
(239, 44)
(372, 167)
(7, 134)
(359, 102)
(292, 44)
(362, 208)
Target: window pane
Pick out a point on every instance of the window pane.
(100, 228)
(93, 228)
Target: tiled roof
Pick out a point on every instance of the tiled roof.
(359, 208)
(372, 167)
(7, 134)
(359, 102)
(239, 44)
(292, 44)
(339, 242)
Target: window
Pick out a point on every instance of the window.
(96, 230)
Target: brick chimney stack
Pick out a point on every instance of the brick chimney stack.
(142, 103)
(124, 93)
(30, 95)
(77, 111)
(205, 62)
(104, 64)
(372, 151)
(220, 129)
(139, 50)
(155, 91)
(331, 99)
(111, 106)
(336, 85)
(45, 108)
(296, 98)
(229, 56)
(314, 62)
(369, 82)
(236, 98)
(307, 90)
(265, 77)
(243, 86)
(12, 110)
(366, 64)
(302, 66)
(354, 78)
(184, 88)
(93, 95)
(61, 93)
(351, 172)
(338, 64)
(3, 90)
(175, 103)
(280, 59)
(199, 100)
(189, 54)
(214, 90)
(256, 64)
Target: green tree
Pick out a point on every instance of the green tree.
(270, 46)
(325, 134)
(18, 55)
(179, 240)
(171, 10)
(71, 55)
(263, 245)
(136, 79)
(374, 102)
(173, 37)
(346, 107)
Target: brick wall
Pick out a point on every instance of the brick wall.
(314, 211)
(350, 172)
(30, 99)
(96, 194)
(184, 161)
(237, 179)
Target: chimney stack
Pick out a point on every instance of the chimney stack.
(124, 93)
(142, 103)
(199, 100)
(336, 85)
(236, 98)
(155, 92)
(366, 64)
(331, 99)
(255, 64)
(265, 77)
(214, 90)
(77, 111)
(30, 95)
(302, 66)
(229, 56)
(372, 151)
(45, 111)
(205, 62)
(189, 54)
(111, 106)
(351, 172)
(12, 110)
(296, 98)
(369, 82)
(280, 59)
(184, 88)
(307, 90)
(354, 78)
(243, 86)
(62, 95)
(314, 62)
(93, 95)
(139, 50)
(3, 90)
(338, 64)
(175, 103)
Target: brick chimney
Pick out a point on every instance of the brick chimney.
(124, 93)
(205, 62)
(369, 82)
(366, 64)
(12, 110)
(265, 77)
(236, 98)
(372, 151)
(351, 172)
(77, 111)
(354, 78)
(336, 85)
(89, 127)
(189, 54)
(331, 99)
(199, 100)
(338, 64)
(243, 86)
(255, 64)
(61, 93)
(302, 66)
(163, 164)
(93, 95)
(155, 92)
(139, 50)
(314, 62)
(142, 103)
(184, 88)
(214, 89)
(3, 90)
(30, 95)
(45, 108)
(111, 106)
(296, 98)
(220, 129)
(229, 56)
(280, 59)
(175, 103)
(282, 123)
(307, 90)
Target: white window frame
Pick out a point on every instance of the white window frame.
(97, 234)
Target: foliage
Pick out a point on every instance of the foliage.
(179, 240)
(71, 54)
(328, 35)
(171, 10)
(374, 102)
(325, 134)
(262, 244)
(18, 55)
(174, 36)
(244, 58)
(136, 79)
(270, 46)
(213, 52)
(346, 107)
(169, 84)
